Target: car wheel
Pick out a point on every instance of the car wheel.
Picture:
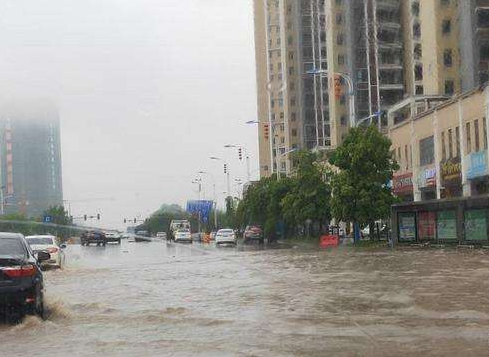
(40, 307)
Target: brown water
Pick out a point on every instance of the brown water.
(173, 300)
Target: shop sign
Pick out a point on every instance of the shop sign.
(407, 227)
(427, 177)
(476, 225)
(402, 183)
(451, 172)
(446, 225)
(477, 163)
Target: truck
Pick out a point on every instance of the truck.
(176, 225)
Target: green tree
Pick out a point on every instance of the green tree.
(360, 190)
(58, 216)
(309, 193)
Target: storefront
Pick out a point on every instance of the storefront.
(462, 220)
(477, 173)
(402, 186)
(427, 182)
(451, 178)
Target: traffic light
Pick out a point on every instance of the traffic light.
(225, 168)
(240, 153)
(85, 217)
(337, 86)
(266, 131)
(98, 216)
(125, 221)
(135, 220)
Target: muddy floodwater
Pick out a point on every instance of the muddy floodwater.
(154, 299)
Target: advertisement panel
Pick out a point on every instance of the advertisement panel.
(446, 225)
(427, 177)
(451, 172)
(426, 226)
(476, 225)
(477, 164)
(407, 227)
(200, 208)
(402, 184)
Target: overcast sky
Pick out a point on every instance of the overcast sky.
(147, 91)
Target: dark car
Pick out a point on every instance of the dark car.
(93, 237)
(253, 233)
(21, 281)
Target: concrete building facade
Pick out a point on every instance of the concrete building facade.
(30, 156)
(442, 152)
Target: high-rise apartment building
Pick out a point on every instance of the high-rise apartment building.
(316, 59)
(30, 154)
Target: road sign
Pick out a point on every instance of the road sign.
(48, 219)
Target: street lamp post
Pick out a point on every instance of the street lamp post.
(351, 89)
(247, 156)
(227, 173)
(215, 198)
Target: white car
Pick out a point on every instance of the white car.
(225, 236)
(47, 243)
(161, 235)
(183, 235)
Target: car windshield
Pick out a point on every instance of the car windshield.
(226, 231)
(40, 241)
(11, 247)
(183, 231)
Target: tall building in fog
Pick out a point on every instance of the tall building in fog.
(30, 153)
(388, 49)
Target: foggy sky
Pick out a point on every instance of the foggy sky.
(147, 91)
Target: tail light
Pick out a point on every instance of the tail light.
(52, 250)
(20, 271)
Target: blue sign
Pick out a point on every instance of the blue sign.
(48, 219)
(477, 163)
(201, 208)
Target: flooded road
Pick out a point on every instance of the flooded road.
(156, 299)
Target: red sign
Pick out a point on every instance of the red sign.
(402, 183)
(329, 241)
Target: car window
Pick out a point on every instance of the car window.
(40, 241)
(11, 247)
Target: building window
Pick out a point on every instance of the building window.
(293, 117)
(341, 59)
(446, 27)
(476, 135)
(443, 147)
(449, 87)
(469, 141)
(339, 19)
(457, 140)
(484, 128)
(406, 156)
(426, 151)
(340, 39)
(450, 144)
(294, 132)
(343, 120)
(447, 58)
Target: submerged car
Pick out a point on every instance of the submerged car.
(48, 244)
(225, 236)
(253, 233)
(93, 237)
(21, 280)
(183, 235)
(112, 237)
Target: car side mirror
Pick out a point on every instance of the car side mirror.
(43, 256)
(63, 246)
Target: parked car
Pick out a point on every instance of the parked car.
(183, 235)
(48, 244)
(21, 280)
(112, 237)
(225, 236)
(253, 234)
(93, 237)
